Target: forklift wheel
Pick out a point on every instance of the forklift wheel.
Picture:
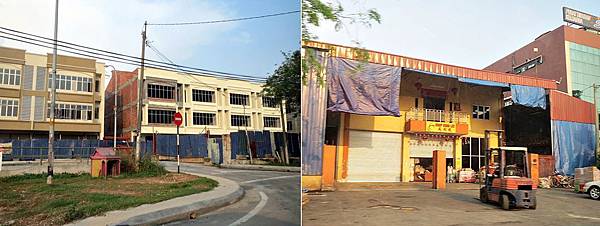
(505, 202)
(483, 196)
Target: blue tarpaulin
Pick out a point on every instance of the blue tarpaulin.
(404, 70)
(482, 82)
(363, 88)
(528, 96)
(573, 145)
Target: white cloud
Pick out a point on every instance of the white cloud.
(116, 25)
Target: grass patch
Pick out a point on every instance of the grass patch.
(27, 199)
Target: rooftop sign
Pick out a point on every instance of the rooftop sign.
(582, 19)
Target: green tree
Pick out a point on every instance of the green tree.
(284, 83)
(314, 12)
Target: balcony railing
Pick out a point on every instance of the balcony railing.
(434, 115)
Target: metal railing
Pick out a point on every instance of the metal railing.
(434, 115)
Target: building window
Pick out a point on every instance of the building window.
(238, 99)
(97, 110)
(9, 108)
(160, 91)
(203, 96)
(10, 76)
(160, 116)
(270, 102)
(473, 155)
(205, 119)
(290, 126)
(97, 86)
(481, 112)
(73, 83)
(272, 122)
(71, 111)
(240, 120)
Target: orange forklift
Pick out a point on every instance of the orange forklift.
(507, 176)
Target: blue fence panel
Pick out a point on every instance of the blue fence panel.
(220, 142)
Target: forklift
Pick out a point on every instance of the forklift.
(507, 177)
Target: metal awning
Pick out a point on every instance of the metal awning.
(461, 79)
(482, 82)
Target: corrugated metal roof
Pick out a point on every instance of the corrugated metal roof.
(429, 66)
(567, 108)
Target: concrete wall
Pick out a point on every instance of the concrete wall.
(34, 167)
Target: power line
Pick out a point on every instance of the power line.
(129, 62)
(224, 21)
(120, 56)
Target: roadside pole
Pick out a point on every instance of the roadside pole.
(53, 101)
(138, 141)
(596, 125)
(177, 119)
(177, 148)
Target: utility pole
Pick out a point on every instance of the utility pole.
(596, 123)
(53, 101)
(138, 143)
(283, 124)
(247, 139)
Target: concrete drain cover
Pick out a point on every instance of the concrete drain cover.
(394, 207)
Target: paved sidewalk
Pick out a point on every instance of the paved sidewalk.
(180, 208)
(262, 167)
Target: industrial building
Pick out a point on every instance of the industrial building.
(25, 89)
(211, 105)
(566, 54)
(379, 118)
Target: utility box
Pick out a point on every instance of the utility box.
(105, 162)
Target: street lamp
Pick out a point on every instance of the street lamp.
(115, 106)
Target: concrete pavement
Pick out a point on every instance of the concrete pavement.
(271, 197)
(450, 207)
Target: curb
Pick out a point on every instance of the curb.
(175, 209)
(262, 167)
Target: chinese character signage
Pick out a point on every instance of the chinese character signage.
(440, 127)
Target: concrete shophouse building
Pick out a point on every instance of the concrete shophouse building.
(24, 96)
(208, 104)
(438, 106)
(565, 54)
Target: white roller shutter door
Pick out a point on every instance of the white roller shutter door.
(374, 156)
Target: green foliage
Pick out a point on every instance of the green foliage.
(315, 11)
(284, 83)
(148, 168)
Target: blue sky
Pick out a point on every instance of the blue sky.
(250, 47)
(465, 33)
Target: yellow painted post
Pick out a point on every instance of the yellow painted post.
(406, 158)
(458, 153)
(340, 148)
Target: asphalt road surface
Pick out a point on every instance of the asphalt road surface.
(451, 207)
(271, 198)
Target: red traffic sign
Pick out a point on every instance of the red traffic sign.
(177, 119)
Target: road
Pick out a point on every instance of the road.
(451, 207)
(271, 198)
